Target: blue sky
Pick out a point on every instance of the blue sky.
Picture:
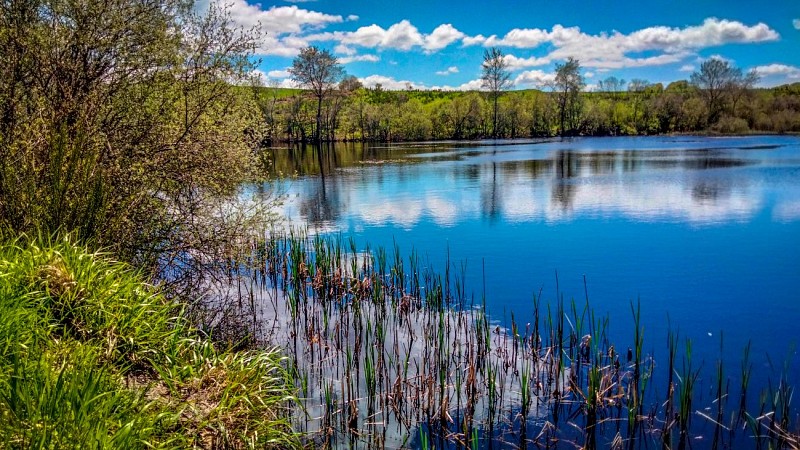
(439, 44)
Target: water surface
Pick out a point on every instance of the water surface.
(705, 232)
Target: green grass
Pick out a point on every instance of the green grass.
(92, 357)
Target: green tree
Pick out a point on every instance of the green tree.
(119, 120)
(319, 71)
(567, 85)
(495, 78)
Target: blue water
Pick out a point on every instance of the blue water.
(705, 232)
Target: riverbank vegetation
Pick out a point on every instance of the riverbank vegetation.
(718, 98)
(127, 126)
(122, 127)
(393, 353)
(93, 357)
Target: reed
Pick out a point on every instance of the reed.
(397, 351)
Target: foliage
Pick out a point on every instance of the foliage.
(617, 107)
(94, 358)
(319, 71)
(567, 85)
(120, 120)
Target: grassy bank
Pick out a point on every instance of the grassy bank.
(92, 357)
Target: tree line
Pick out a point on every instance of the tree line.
(717, 98)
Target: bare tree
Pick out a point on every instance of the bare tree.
(319, 71)
(496, 78)
(715, 81)
(741, 87)
(611, 85)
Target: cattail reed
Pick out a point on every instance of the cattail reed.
(388, 352)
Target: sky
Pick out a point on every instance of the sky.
(436, 44)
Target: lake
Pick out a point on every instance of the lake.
(703, 231)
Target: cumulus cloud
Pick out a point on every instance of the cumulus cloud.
(279, 19)
(279, 74)
(686, 68)
(515, 63)
(441, 37)
(290, 28)
(342, 49)
(791, 72)
(473, 40)
(617, 50)
(402, 35)
(359, 58)
(448, 71)
(712, 32)
(283, 26)
(472, 85)
(389, 83)
(796, 24)
(519, 38)
(534, 78)
(777, 74)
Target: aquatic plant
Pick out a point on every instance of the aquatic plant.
(395, 354)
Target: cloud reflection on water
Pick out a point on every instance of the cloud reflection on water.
(699, 185)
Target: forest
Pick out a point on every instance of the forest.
(719, 100)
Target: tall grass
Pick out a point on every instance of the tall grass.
(92, 357)
(394, 353)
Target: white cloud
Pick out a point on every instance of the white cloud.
(259, 76)
(796, 24)
(588, 75)
(520, 38)
(389, 83)
(342, 49)
(359, 58)
(778, 69)
(402, 35)
(719, 57)
(600, 62)
(441, 37)
(279, 19)
(279, 74)
(473, 40)
(352, 18)
(448, 71)
(616, 50)
(534, 78)
(686, 68)
(288, 47)
(712, 32)
(515, 63)
(283, 26)
(472, 85)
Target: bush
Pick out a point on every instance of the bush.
(731, 125)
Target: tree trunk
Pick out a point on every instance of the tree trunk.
(319, 117)
(494, 125)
